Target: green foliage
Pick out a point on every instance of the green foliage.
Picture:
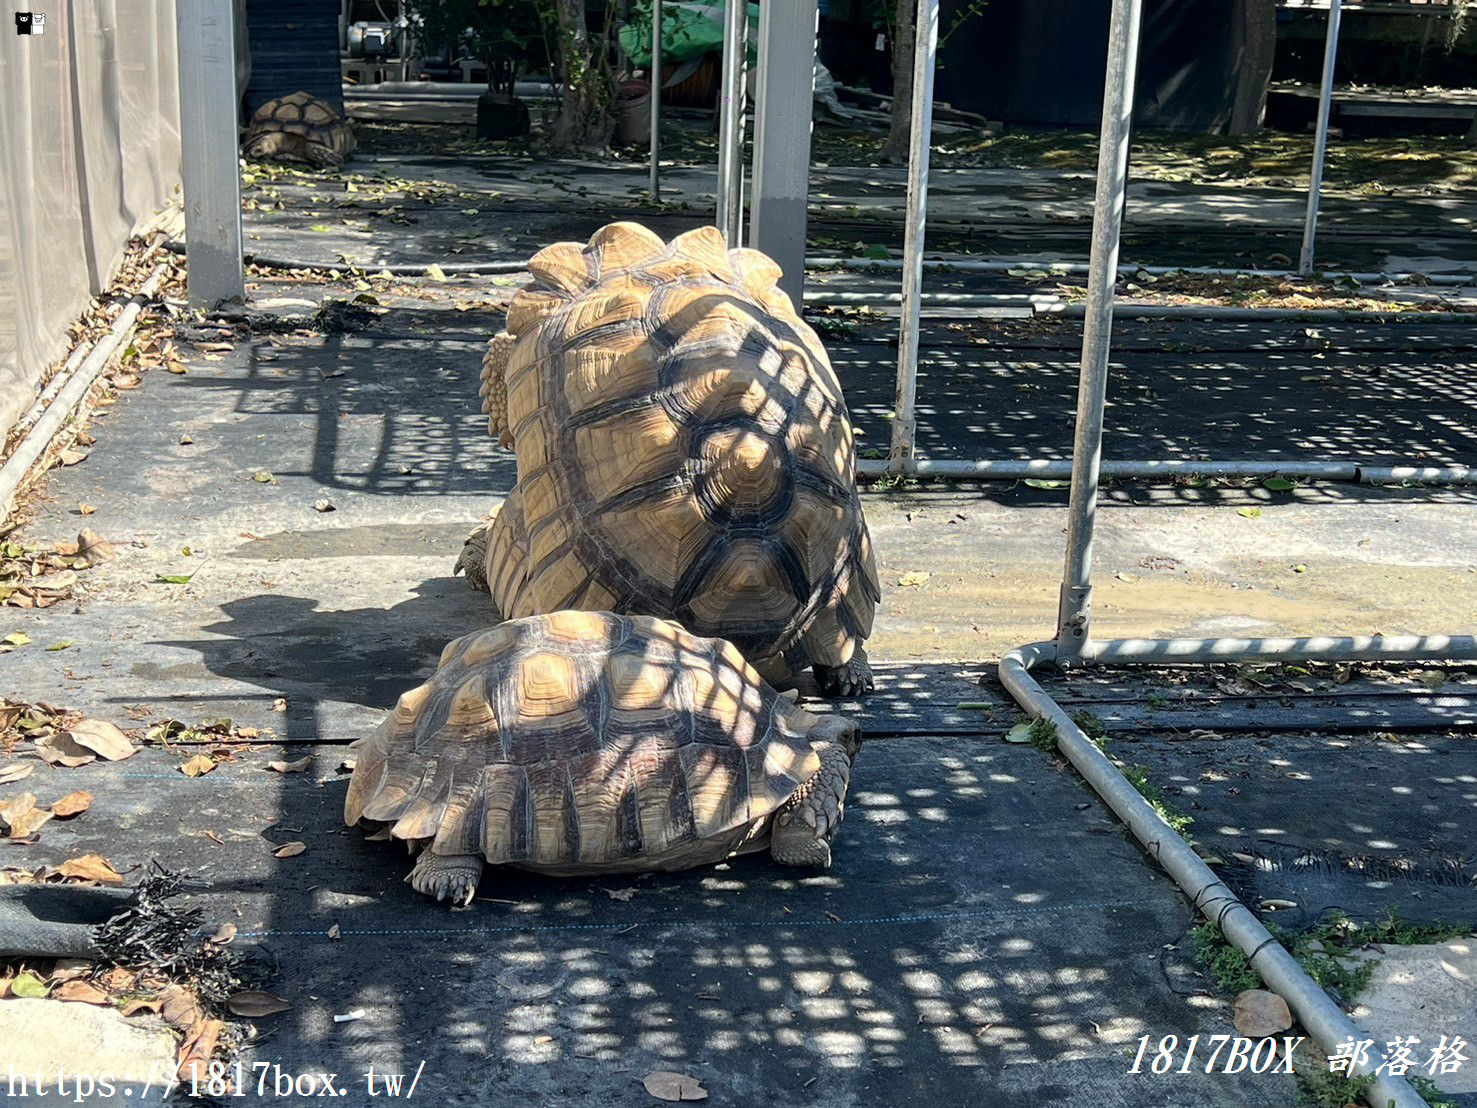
(1138, 777)
(508, 36)
(1227, 966)
(1091, 725)
(1391, 928)
(1318, 1089)
(1042, 734)
(1430, 1092)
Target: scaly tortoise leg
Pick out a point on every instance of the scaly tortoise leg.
(852, 678)
(804, 826)
(495, 558)
(835, 650)
(473, 559)
(450, 877)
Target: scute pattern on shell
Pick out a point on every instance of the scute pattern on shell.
(684, 449)
(581, 739)
(299, 126)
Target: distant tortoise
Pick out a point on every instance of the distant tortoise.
(684, 451)
(299, 128)
(589, 743)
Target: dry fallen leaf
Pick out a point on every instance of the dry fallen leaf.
(916, 577)
(620, 894)
(254, 1003)
(71, 457)
(224, 934)
(197, 1050)
(59, 749)
(91, 867)
(280, 704)
(133, 1007)
(291, 767)
(290, 850)
(73, 804)
(335, 932)
(198, 766)
(20, 814)
(14, 772)
(68, 968)
(94, 547)
(102, 738)
(86, 509)
(81, 992)
(1259, 1014)
(665, 1085)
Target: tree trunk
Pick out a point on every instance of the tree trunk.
(895, 149)
(1255, 71)
(584, 120)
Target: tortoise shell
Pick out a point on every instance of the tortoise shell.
(584, 741)
(299, 127)
(683, 449)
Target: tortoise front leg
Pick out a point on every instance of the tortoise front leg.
(451, 877)
(852, 678)
(835, 651)
(804, 825)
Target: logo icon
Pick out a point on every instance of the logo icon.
(30, 23)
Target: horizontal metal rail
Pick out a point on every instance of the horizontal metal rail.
(1052, 469)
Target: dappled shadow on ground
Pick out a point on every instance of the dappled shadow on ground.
(993, 400)
(391, 410)
(963, 929)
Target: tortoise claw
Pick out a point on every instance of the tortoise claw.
(852, 679)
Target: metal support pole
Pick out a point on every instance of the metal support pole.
(1074, 615)
(1320, 140)
(781, 177)
(210, 150)
(905, 416)
(729, 217)
(656, 100)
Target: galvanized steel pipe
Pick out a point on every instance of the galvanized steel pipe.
(925, 46)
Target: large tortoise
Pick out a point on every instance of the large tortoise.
(585, 742)
(684, 451)
(299, 128)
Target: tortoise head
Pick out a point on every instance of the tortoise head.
(845, 733)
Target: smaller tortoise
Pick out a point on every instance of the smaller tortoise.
(585, 742)
(299, 128)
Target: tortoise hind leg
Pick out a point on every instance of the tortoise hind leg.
(450, 877)
(495, 558)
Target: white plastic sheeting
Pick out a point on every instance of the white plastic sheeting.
(89, 151)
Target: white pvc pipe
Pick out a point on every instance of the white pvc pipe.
(33, 446)
(53, 387)
(1324, 1020)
